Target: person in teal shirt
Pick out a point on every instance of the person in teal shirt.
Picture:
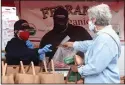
(101, 53)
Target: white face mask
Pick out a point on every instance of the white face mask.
(91, 26)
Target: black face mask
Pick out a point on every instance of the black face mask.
(60, 24)
(59, 28)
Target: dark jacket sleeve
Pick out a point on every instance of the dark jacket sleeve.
(84, 33)
(50, 38)
(21, 52)
(78, 33)
(42, 42)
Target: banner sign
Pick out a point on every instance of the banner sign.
(40, 13)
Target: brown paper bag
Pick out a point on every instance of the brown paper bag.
(29, 70)
(25, 78)
(12, 69)
(6, 78)
(2, 65)
(122, 80)
(51, 77)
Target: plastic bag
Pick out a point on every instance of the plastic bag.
(62, 53)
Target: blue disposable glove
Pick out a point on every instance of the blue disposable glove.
(29, 44)
(42, 56)
(45, 49)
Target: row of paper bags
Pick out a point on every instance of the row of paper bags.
(34, 76)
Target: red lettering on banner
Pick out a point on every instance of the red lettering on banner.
(52, 9)
(85, 8)
(49, 11)
(45, 12)
(79, 22)
(69, 9)
(78, 11)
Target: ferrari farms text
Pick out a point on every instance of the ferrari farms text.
(78, 10)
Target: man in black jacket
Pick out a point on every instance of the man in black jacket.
(61, 29)
(20, 48)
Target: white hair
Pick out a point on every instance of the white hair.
(101, 13)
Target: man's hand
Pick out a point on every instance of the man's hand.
(74, 68)
(42, 56)
(45, 49)
(68, 44)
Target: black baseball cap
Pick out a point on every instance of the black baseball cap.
(19, 24)
(61, 11)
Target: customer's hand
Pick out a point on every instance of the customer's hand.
(29, 44)
(45, 49)
(78, 60)
(74, 68)
(68, 44)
